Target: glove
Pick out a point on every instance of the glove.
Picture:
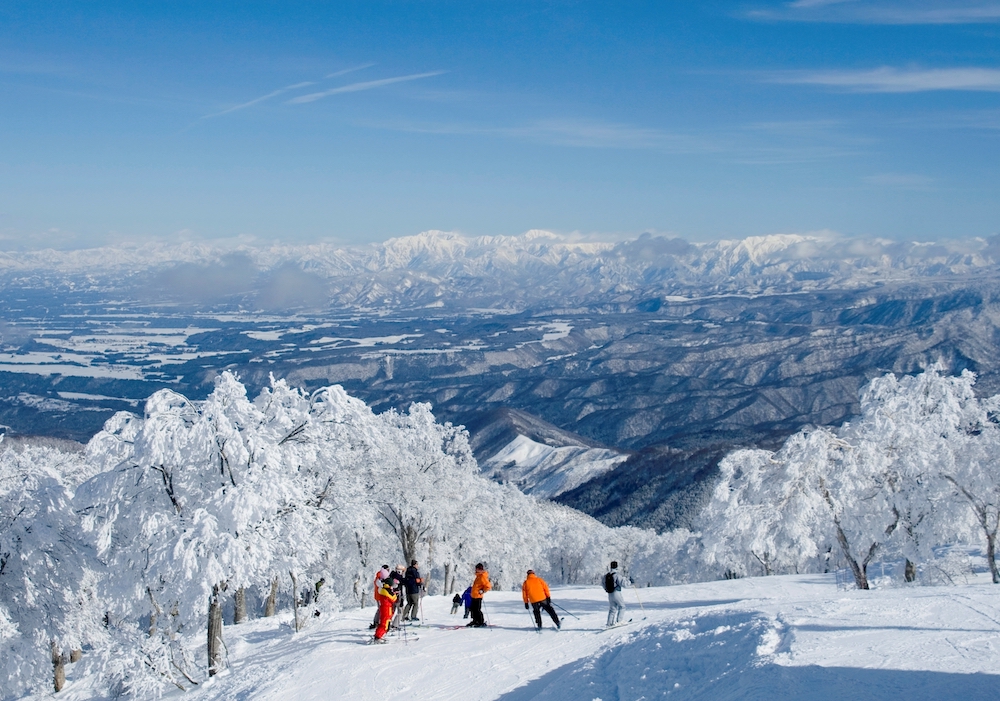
(525, 605)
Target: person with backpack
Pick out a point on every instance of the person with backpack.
(613, 584)
(396, 581)
(414, 583)
(467, 600)
(480, 586)
(535, 592)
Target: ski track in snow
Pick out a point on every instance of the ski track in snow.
(790, 637)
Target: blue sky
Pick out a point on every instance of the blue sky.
(356, 122)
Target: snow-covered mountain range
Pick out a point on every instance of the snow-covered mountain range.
(448, 270)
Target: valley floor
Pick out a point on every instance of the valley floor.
(790, 637)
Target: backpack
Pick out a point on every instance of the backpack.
(609, 582)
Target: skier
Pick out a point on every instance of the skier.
(317, 588)
(386, 598)
(414, 584)
(613, 583)
(456, 601)
(395, 580)
(467, 600)
(379, 576)
(480, 586)
(535, 592)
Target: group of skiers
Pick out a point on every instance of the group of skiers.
(391, 584)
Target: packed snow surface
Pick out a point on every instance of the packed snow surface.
(788, 637)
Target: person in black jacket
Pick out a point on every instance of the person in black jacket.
(397, 581)
(414, 586)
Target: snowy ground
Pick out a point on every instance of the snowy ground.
(793, 637)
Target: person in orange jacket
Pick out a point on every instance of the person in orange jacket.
(535, 593)
(480, 586)
(386, 598)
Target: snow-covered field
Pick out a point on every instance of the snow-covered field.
(789, 637)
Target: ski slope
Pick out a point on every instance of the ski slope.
(789, 637)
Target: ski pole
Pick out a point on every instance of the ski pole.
(565, 611)
(486, 615)
(641, 607)
(538, 628)
(402, 626)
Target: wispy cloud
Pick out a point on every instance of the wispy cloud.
(262, 98)
(900, 181)
(357, 87)
(895, 80)
(769, 143)
(853, 12)
(809, 4)
(287, 88)
(568, 132)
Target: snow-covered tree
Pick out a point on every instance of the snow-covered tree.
(886, 482)
(48, 605)
(199, 503)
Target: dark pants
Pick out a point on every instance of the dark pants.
(536, 609)
(477, 612)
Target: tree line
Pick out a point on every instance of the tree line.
(125, 558)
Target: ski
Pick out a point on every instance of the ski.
(393, 641)
(616, 625)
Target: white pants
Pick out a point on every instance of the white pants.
(616, 606)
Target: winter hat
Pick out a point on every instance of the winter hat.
(413, 563)
(479, 566)
(531, 571)
(614, 564)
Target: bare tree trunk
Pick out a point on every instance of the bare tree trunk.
(272, 599)
(58, 668)
(765, 562)
(408, 539)
(215, 631)
(910, 571)
(991, 555)
(240, 609)
(981, 509)
(430, 567)
(449, 585)
(154, 615)
(75, 655)
(860, 571)
(295, 599)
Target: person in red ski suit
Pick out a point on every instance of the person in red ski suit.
(379, 576)
(385, 598)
